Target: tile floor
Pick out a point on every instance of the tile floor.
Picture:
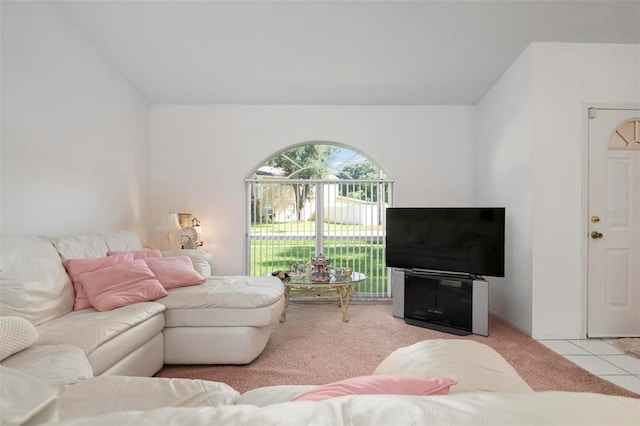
(601, 358)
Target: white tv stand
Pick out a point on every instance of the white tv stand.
(452, 303)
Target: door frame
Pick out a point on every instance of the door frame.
(585, 204)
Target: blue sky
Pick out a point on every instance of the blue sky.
(344, 157)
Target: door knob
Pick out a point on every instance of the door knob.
(596, 235)
(595, 219)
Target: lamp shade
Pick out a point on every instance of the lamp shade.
(168, 222)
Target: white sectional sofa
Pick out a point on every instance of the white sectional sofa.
(412, 386)
(226, 320)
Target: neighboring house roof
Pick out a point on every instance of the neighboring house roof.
(270, 171)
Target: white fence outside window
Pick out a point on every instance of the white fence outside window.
(337, 218)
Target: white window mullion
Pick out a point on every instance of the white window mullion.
(249, 196)
(319, 190)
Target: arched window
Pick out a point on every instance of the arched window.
(319, 198)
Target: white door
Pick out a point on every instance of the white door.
(613, 299)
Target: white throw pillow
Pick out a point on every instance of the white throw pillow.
(201, 259)
(16, 334)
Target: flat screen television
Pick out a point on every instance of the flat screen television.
(465, 240)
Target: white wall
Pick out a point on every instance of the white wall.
(503, 177)
(567, 78)
(533, 147)
(200, 156)
(74, 132)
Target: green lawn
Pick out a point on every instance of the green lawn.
(269, 256)
(363, 256)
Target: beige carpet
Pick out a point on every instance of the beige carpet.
(314, 346)
(629, 345)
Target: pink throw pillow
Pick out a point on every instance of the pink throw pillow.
(139, 254)
(76, 267)
(174, 272)
(121, 284)
(380, 384)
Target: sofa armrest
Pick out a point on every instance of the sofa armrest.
(475, 366)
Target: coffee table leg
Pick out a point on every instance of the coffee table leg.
(343, 293)
(283, 315)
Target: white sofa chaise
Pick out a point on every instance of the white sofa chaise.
(226, 320)
(488, 392)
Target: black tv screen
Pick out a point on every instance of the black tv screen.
(468, 240)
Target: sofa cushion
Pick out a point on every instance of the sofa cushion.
(25, 400)
(33, 283)
(121, 241)
(77, 267)
(240, 292)
(79, 328)
(119, 356)
(174, 272)
(95, 245)
(106, 394)
(16, 334)
(475, 366)
(380, 385)
(56, 365)
(139, 254)
(225, 301)
(120, 285)
(79, 247)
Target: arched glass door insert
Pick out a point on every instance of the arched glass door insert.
(319, 198)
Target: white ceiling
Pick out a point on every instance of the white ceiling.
(334, 52)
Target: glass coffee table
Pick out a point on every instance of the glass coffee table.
(344, 288)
